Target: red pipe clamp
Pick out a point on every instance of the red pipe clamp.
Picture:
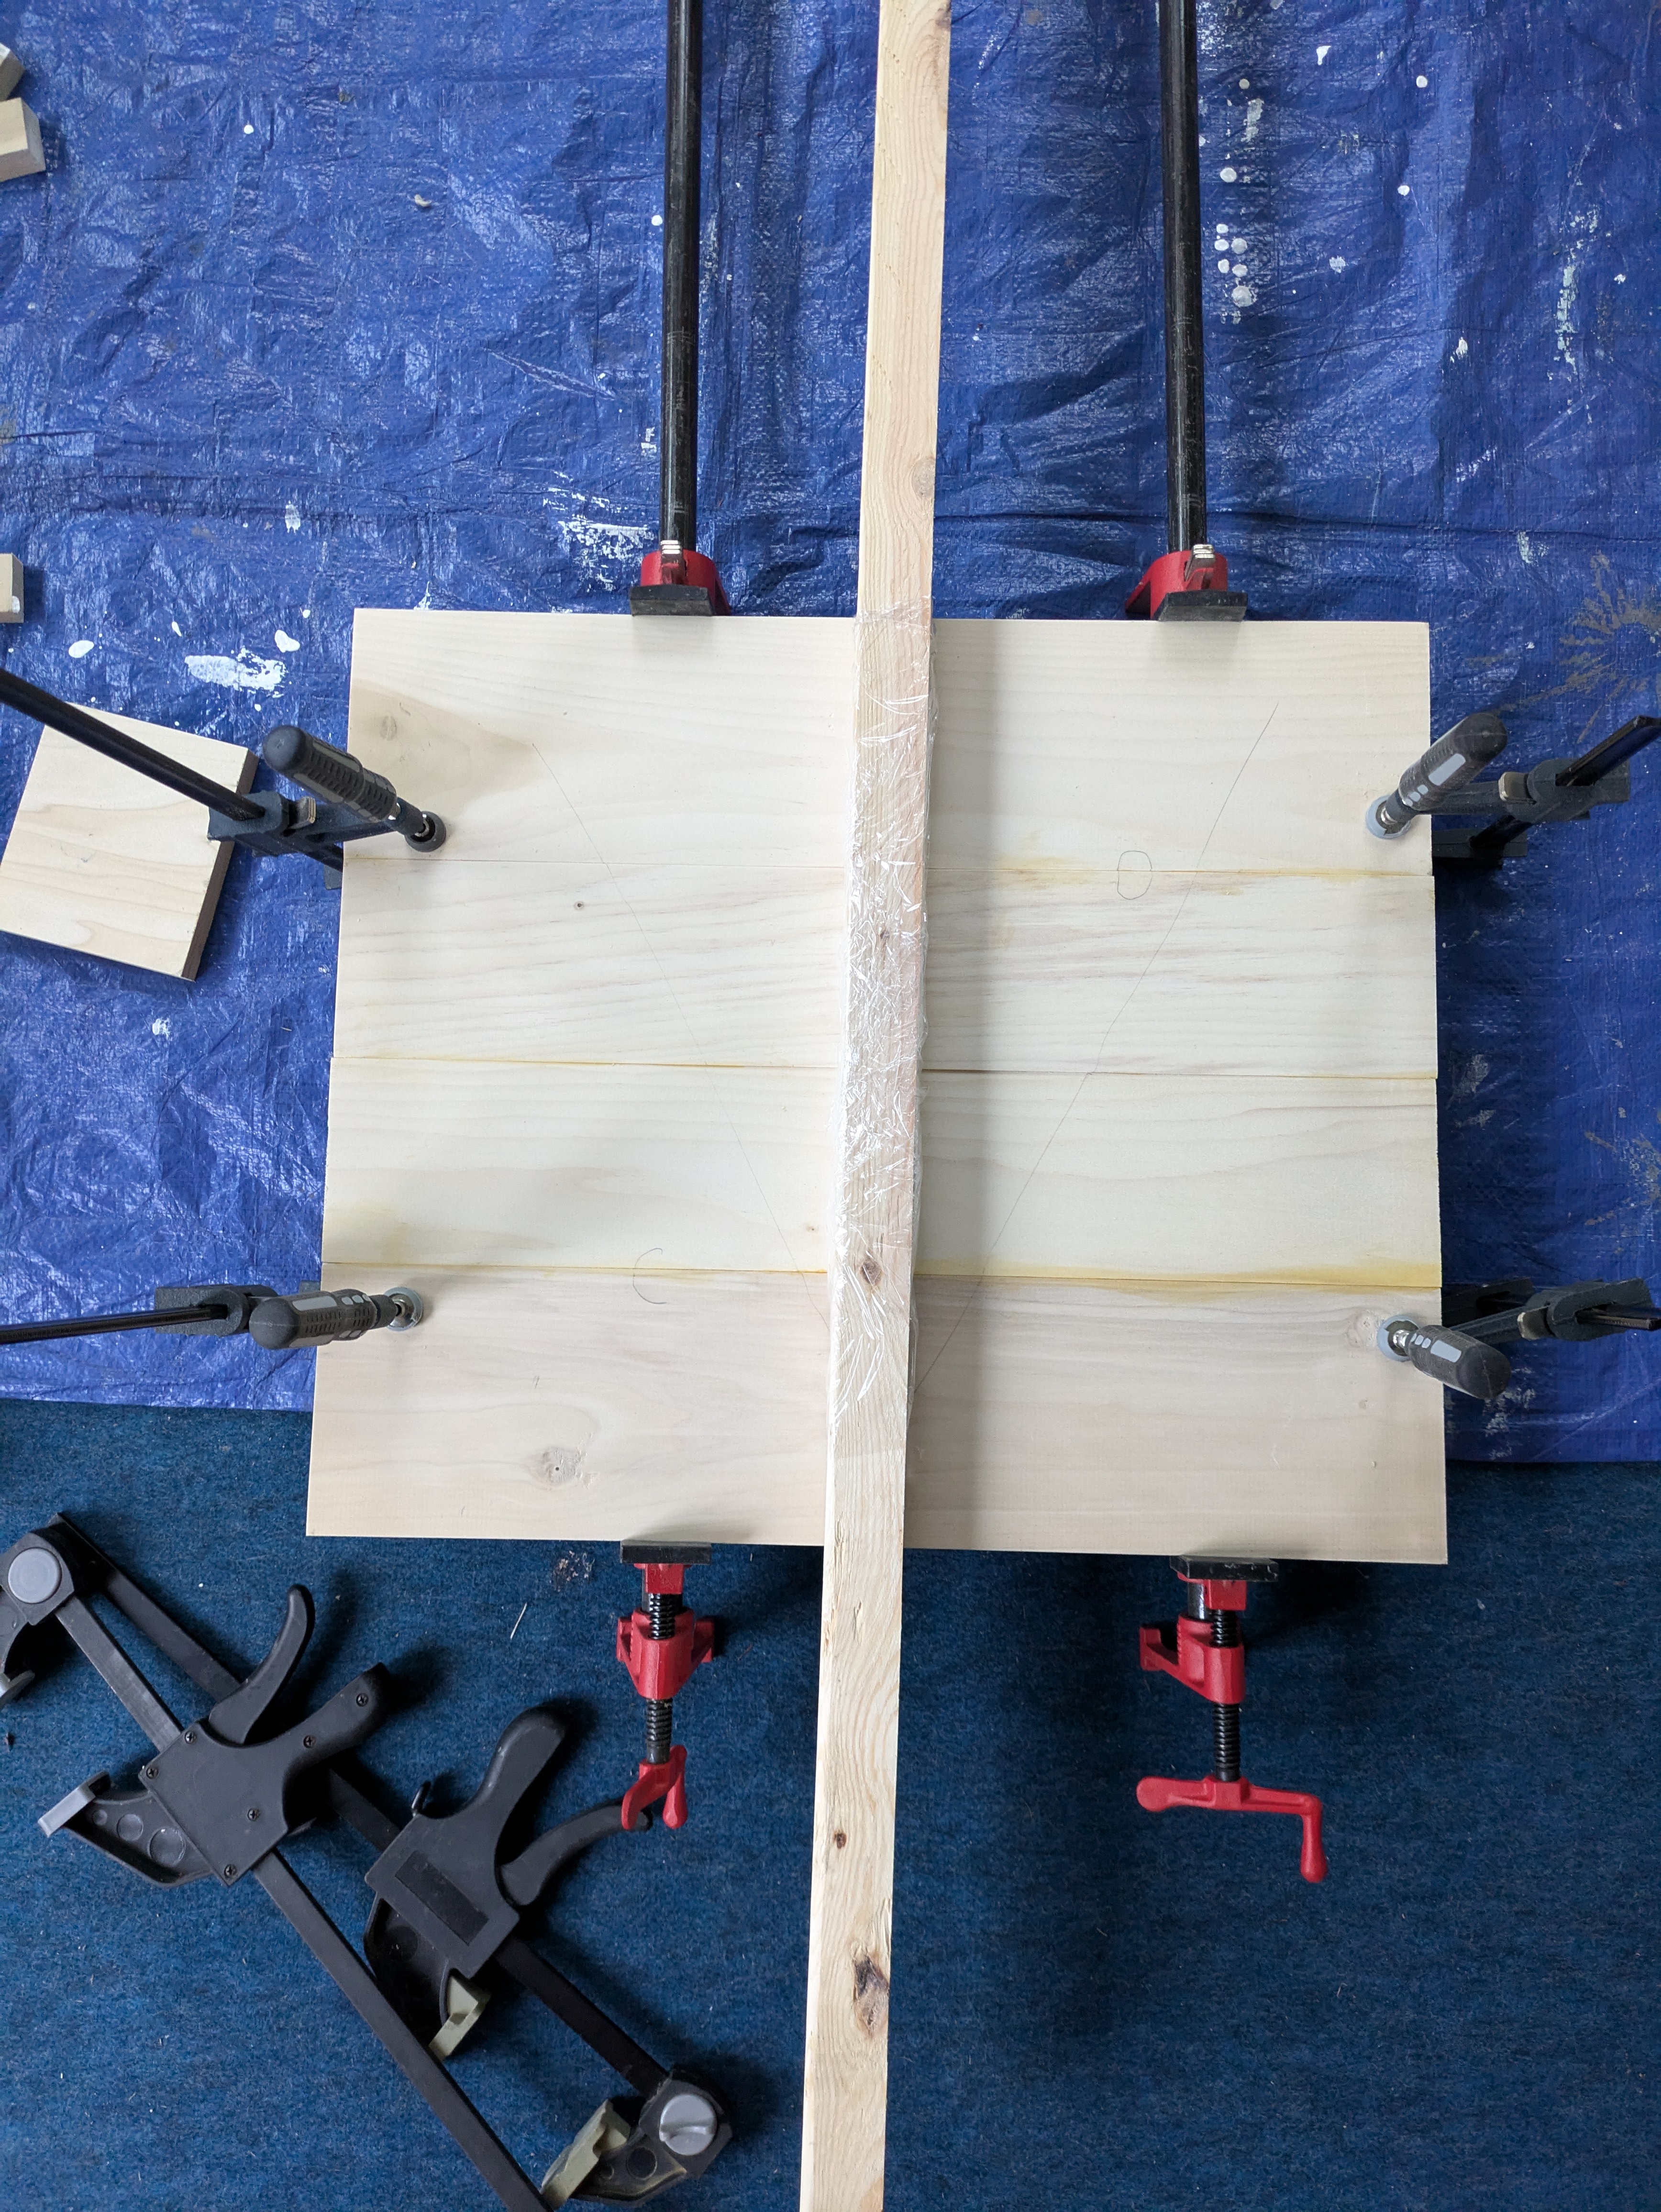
(1203, 1651)
(660, 1643)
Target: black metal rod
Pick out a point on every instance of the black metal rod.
(678, 520)
(597, 2029)
(494, 2160)
(1630, 738)
(42, 1332)
(87, 730)
(1184, 339)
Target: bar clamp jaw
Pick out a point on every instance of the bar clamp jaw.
(1190, 585)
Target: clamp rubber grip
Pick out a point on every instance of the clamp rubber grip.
(1455, 759)
(328, 772)
(331, 1316)
(1459, 1362)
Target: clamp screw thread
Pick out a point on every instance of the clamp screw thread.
(1226, 1719)
(662, 1611)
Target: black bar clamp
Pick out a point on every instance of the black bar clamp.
(221, 1794)
(1443, 782)
(344, 800)
(1461, 1351)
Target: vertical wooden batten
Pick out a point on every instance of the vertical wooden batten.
(873, 1208)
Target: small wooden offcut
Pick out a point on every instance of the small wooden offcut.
(101, 859)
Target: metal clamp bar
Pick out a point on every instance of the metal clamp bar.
(469, 2127)
(103, 737)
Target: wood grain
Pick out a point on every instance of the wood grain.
(1170, 1418)
(646, 1169)
(874, 1166)
(580, 1407)
(1184, 1180)
(101, 860)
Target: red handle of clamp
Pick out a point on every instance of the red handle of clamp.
(1157, 1792)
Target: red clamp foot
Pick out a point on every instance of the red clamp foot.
(675, 580)
(1159, 1794)
(667, 1782)
(1189, 586)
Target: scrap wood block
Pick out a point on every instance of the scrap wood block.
(11, 72)
(101, 859)
(21, 151)
(1178, 1126)
(11, 588)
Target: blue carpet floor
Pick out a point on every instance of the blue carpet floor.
(1092, 2008)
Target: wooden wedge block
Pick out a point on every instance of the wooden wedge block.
(21, 151)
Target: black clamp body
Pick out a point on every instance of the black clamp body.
(1441, 783)
(218, 1804)
(1462, 1351)
(346, 800)
(312, 1317)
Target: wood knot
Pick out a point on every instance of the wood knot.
(871, 1269)
(870, 1995)
(840, 1840)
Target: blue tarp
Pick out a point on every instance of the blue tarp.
(319, 306)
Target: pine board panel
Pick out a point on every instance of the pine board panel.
(1166, 1418)
(1104, 1018)
(509, 1412)
(101, 860)
(1076, 1178)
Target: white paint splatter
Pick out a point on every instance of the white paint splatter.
(160, 1027)
(424, 604)
(1620, 280)
(1404, 190)
(244, 673)
(1423, 83)
(248, 131)
(291, 516)
(174, 627)
(284, 642)
(1228, 176)
(1243, 296)
(1239, 246)
(1254, 116)
(1460, 352)
(603, 552)
(1321, 53)
(1585, 229)
(657, 223)
(1337, 264)
(80, 649)
(1524, 548)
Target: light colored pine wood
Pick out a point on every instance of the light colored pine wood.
(874, 1168)
(649, 1171)
(686, 963)
(1184, 972)
(1170, 1418)
(102, 860)
(11, 588)
(509, 1412)
(715, 954)
(1179, 1179)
